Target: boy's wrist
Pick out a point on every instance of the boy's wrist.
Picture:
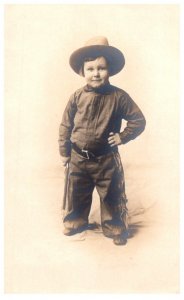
(124, 137)
(65, 160)
(65, 152)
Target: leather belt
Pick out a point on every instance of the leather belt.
(95, 154)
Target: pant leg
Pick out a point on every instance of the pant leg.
(79, 198)
(110, 185)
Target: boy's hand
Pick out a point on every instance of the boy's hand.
(114, 139)
(65, 160)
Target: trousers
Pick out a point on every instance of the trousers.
(104, 173)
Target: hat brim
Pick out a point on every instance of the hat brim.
(114, 57)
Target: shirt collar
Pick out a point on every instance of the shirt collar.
(105, 89)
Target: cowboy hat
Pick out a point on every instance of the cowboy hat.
(96, 47)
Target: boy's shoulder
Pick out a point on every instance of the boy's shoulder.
(119, 90)
(78, 91)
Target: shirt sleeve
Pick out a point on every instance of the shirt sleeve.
(66, 126)
(135, 119)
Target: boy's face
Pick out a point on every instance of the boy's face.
(96, 72)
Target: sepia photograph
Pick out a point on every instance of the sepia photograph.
(91, 148)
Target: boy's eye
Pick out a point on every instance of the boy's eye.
(91, 69)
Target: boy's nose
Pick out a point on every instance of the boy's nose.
(96, 73)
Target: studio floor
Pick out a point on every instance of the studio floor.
(40, 259)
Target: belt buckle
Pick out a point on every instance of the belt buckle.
(86, 153)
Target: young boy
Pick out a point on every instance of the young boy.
(89, 137)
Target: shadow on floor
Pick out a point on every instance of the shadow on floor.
(133, 228)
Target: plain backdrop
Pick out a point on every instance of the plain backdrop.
(38, 83)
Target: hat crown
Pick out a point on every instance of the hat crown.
(98, 40)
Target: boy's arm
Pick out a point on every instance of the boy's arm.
(65, 129)
(135, 120)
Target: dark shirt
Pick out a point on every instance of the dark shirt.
(91, 114)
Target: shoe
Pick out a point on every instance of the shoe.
(73, 231)
(119, 240)
(69, 232)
